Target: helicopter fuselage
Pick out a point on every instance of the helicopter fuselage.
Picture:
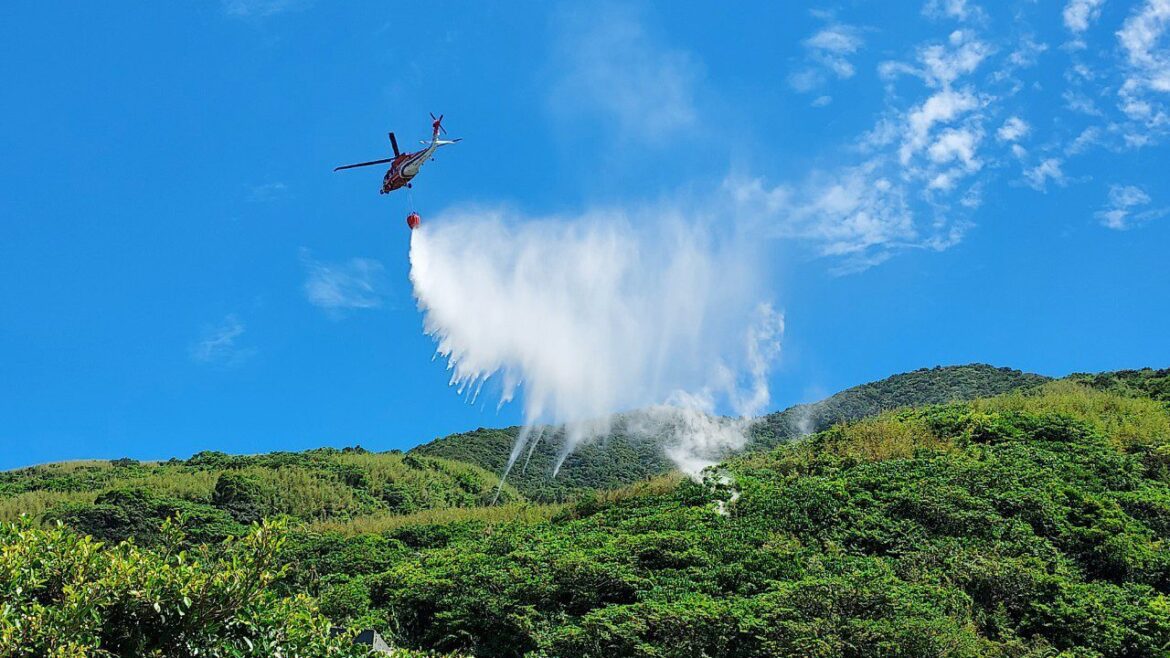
(406, 166)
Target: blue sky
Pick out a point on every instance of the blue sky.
(181, 270)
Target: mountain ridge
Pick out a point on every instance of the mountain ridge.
(621, 459)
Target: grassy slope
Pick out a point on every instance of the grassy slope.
(1029, 524)
(115, 499)
(620, 459)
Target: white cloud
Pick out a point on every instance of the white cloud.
(1088, 137)
(942, 64)
(337, 287)
(942, 107)
(1012, 129)
(828, 52)
(1142, 94)
(609, 65)
(1048, 170)
(1123, 94)
(821, 101)
(1079, 14)
(860, 216)
(219, 344)
(1027, 53)
(1122, 212)
(957, 9)
(914, 185)
(1080, 71)
(956, 144)
(1078, 102)
(832, 46)
(1140, 35)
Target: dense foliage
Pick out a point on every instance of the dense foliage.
(610, 462)
(1026, 525)
(121, 498)
(1147, 382)
(623, 458)
(221, 494)
(924, 386)
(1031, 523)
(64, 595)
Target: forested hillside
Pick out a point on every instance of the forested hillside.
(919, 387)
(1153, 384)
(1024, 525)
(1029, 524)
(622, 459)
(113, 499)
(606, 463)
(221, 494)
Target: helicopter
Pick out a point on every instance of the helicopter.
(405, 166)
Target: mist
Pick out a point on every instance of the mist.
(659, 315)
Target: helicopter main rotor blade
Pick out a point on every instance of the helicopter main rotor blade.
(365, 164)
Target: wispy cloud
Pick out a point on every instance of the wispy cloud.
(1080, 14)
(1049, 170)
(939, 64)
(1026, 53)
(220, 344)
(1121, 95)
(340, 287)
(267, 191)
(1012, 129)
(941, 108)
(1127, 208)
(955, 118)
(915, 178)
(854, 214)
(923, 168)
(956, 145)
(1142, 94)
(609, 65)
(827, 52)
(262, 8)
(912, 184)
(960, 10)
(1086, 139)
(1076, 101)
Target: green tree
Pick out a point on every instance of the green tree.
(240, 496)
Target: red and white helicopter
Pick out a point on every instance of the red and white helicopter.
(405, 166)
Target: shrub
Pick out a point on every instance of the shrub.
(67, 595)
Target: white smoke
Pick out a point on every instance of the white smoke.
(601, 313)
